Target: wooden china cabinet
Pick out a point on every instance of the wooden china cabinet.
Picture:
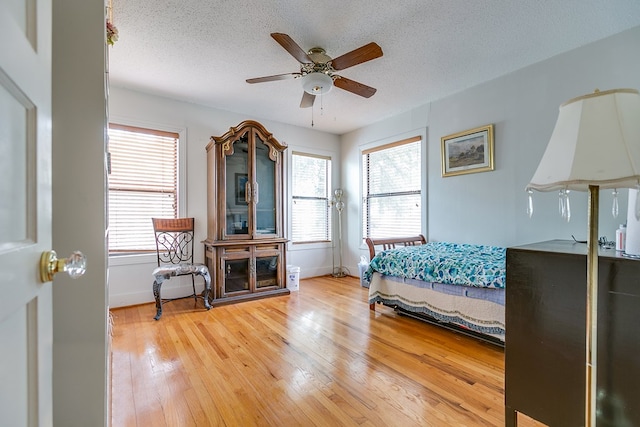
(245, 249)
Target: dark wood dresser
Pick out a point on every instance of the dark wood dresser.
(545, 335)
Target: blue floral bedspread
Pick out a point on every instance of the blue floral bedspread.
(441, 262)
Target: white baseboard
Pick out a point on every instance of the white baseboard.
(143, 297)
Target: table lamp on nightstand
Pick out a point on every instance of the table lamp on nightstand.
(595, 145)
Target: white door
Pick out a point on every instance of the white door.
(25, 212)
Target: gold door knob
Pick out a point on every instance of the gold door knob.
(75, 265)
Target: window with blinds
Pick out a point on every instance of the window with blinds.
(143, 184)
(310, 210)
(392, 190)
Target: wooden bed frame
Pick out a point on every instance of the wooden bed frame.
(391, 244)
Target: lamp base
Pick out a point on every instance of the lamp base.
(339, 273)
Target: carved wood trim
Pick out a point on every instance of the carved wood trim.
(247, 125)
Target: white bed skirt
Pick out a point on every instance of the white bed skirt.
(480, 315)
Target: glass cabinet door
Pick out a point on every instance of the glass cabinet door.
(237, 184)
(236, 275)
(266, 271)
(266, 201)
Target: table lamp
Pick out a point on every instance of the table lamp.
(594, 145)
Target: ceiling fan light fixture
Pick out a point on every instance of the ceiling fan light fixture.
(317, 83)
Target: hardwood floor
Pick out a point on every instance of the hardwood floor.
(318, 357)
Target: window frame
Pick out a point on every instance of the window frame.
(390, 142)
(330, 215)
(331, 155)
(136, 257)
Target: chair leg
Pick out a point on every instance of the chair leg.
(193, 285)
(156, 294)
(164, 273)
(206, 294)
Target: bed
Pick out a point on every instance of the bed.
(458, 286)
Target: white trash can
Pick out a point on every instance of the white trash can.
(293, 277)
(363, 265)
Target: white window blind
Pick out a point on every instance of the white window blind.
(310, 211)
(392, 189)
(143, 184)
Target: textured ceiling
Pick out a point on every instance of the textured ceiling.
(202, 51)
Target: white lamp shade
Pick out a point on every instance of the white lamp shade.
(596, 141)
(317, 83)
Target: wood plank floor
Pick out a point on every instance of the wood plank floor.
(318, 357)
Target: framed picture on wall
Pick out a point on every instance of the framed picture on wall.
(469, 151)
(241, 181)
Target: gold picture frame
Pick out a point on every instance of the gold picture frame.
(470, 151)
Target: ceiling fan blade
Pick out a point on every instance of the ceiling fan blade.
(272, 78)
(307, 100)
(354, 87)
(292, 47)
(358, 56)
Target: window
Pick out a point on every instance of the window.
(391, 189)
(143, 184)
(310, 211)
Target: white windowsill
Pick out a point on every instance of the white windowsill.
(132, 259)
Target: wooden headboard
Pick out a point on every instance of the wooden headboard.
(391, 243)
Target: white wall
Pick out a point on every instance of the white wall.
(490, 207)
(130, 278)
(403, 126)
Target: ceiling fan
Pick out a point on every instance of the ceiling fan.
(317, 69)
